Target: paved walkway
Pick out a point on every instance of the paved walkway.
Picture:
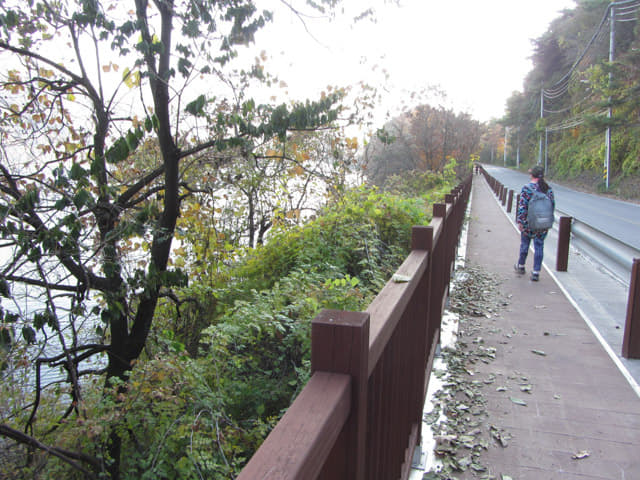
(579, 401)
(601, 292)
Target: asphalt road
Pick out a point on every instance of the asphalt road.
(620, 220)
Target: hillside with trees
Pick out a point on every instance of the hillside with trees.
(585, 81)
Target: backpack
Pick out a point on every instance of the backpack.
(540, 212)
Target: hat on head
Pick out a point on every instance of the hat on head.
(537, 171)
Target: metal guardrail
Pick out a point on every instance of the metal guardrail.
(614, 255)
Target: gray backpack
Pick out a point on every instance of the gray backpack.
(540, 212)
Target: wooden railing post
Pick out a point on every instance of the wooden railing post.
(422, 239)
(510, 201)
(450, 226)
(631, 340)
(564, 236)
(340, 344)
(438, 275)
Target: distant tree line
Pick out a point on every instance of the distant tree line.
(423, 139)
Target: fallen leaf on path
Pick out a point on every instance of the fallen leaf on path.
(580, 455)
(465, 462)
(501, 437)
(431, 476)
(397, 278)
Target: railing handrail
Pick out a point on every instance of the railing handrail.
(385, 314)
(324, 403)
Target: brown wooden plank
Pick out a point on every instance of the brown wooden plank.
(301, 441)
(432, 354)
(375, 440)
(336, 410)
(437, 224)
(388, 306)
(509, 202)
(422, 238)
(340, 343)
(413, 441)
(439, 210)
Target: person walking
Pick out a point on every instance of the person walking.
(536, 184)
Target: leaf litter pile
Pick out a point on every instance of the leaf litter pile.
(459, 419)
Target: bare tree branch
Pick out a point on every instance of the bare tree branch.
(64, 455)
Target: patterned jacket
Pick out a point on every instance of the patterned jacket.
(523, 208)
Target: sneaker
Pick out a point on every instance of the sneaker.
(519, 269)
(535, 276)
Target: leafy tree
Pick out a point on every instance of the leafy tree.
(280, 182)
(280, 185)
(108, 111)
(388, 153)
(423, 139)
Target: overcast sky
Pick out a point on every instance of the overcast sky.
(478, 52)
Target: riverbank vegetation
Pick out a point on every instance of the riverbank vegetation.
(167, 238)
(228, 352)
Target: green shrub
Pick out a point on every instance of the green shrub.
(200, 401)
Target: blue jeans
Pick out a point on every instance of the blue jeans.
(538, 250)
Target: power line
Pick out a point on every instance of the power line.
(587, 47)
(573, 122)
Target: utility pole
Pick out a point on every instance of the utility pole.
(541, 117)
(607, 138)
(518, 149)
(506, 130)
(546, 144)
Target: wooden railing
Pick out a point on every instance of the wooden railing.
(359, 416)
